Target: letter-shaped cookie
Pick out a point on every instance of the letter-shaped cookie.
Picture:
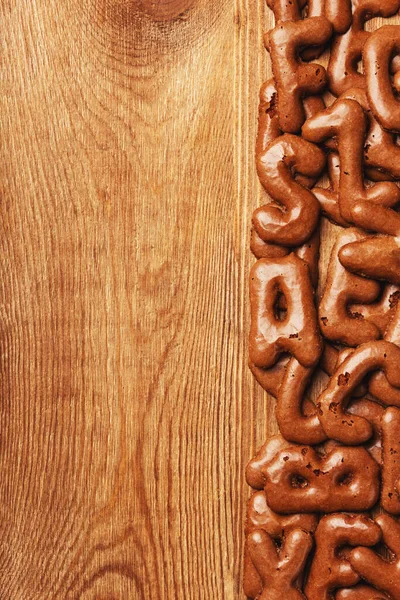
(268, 131)
(342, 289)
(298, 333)
(295, 79)
(293, 215)
(260, 516)
(300, 480)
(279, 568)
(329, 570)
(339, 425)
(390, 496)
(294, 425)
(379, 50)
(381, 573)
(368, 208)
(347, 49)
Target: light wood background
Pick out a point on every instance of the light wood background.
(127, 186)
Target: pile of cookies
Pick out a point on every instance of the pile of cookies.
(322, 519)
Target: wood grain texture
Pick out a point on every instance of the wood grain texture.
(127, 181)
(127, 186)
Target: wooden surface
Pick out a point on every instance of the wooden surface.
(128, 412)
(127, 185)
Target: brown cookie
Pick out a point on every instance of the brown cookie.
(381, 151)
(298, 333)
(294, 424)
(261, 517)
(279, 568)
(367, 207)
(298, 479)
(344, 288)
(329, 569)
(382, 45)
(294, 78)
(332, 403)
(292, 216)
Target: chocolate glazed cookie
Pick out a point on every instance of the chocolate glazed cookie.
(311, 529)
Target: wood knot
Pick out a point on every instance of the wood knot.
(166, 10)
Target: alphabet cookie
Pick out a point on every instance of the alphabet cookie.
(299, 480)
(261, 517)
(381, 152)
(294, 78)
(292, 217)
(365, 207)
(298, 333)
(294, 425)
(268, 131)
(342, 289)
(329, 570)
(378, 53)
(333, 401)
(279, 568)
